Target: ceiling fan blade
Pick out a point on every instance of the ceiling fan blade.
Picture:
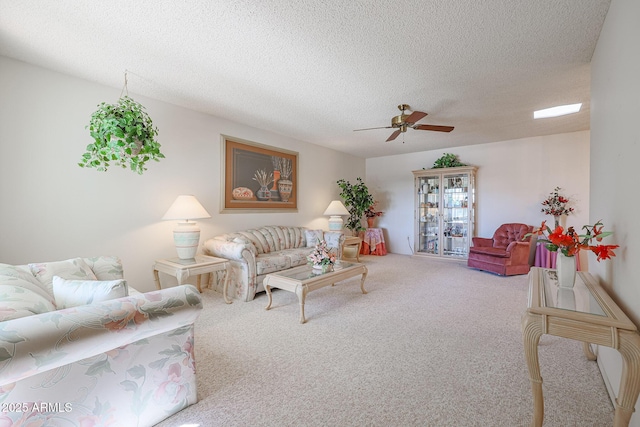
(393, 136)
(434, 128)
(384, 127)
(415, 116)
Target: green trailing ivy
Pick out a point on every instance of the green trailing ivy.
(123, 135)
(357, 200)
(448, 160)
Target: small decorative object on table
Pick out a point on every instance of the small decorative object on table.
(322, 258)
(556, 205)
(569, 243)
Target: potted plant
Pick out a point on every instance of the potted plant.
(357, 200)
(447, 160)
(123, 134)
(371, 213)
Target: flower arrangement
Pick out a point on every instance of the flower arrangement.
(371, 211)
(556, 204)
(321, 255)
(569, 242)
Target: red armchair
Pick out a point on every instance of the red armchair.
(506, 253)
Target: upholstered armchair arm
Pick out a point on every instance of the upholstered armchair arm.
(482, 241)
(519, 252)
(49, 340)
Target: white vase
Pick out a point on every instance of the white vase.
(566, 270)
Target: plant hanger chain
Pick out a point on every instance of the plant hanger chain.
(125, 88)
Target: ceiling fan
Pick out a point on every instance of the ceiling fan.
(404, 121)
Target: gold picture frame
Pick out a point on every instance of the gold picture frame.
(257, 177)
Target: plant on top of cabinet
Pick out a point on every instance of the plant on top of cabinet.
(123, 135)
(448, 160)
(357, 200)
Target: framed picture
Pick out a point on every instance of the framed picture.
(258, 177)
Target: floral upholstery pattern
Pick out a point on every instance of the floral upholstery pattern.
(254, 253)
(125, 361)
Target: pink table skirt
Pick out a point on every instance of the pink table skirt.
(547, 259)
(373, 242)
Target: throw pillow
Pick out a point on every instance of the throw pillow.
(19, 298)
(72, 293)
(333, 239)
(74, 268)
(9, 273)
(105, 267)
(313, 237)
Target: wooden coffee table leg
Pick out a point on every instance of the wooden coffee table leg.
(364, 276)
(268, 289)
(301, 292)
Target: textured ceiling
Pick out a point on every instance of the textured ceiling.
(315, 70)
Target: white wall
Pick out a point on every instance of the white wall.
(51, 209)
(615, 150)
(513, 178)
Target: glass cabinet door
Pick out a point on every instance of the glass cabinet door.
(444, 216)
(429, 214)
(455, 215)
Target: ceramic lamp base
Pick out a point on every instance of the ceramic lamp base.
(335, 223)
(186, 237)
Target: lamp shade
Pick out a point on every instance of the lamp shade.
(186, 207)
(186, 235)
(336, 208)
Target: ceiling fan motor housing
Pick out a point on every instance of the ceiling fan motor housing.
(400, 121)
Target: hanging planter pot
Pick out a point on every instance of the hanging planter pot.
(123, 135)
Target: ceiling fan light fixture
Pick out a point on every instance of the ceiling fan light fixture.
(560, 110)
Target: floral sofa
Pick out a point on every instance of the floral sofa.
(254, 253)
(78, 347)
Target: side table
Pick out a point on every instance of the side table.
(373, 242)
(182, 269)
(352, 241)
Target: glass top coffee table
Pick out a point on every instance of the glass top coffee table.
(304, 279)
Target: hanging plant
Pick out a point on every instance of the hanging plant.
(447, 160)
(123, 135)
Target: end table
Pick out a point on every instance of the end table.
(182, 269)
(352, 241)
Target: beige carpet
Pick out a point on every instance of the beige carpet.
(433, 343)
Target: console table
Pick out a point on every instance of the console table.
(585, 313)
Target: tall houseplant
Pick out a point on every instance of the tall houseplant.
(357, 200)
(123, 134)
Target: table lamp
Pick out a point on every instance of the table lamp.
(335, 211)
(187, 234)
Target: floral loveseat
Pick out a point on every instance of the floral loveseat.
(254, 253)
(127, 361)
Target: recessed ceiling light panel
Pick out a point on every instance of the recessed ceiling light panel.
(557, 111)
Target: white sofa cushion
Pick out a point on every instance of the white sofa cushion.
(72, 293)
(72, 269)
